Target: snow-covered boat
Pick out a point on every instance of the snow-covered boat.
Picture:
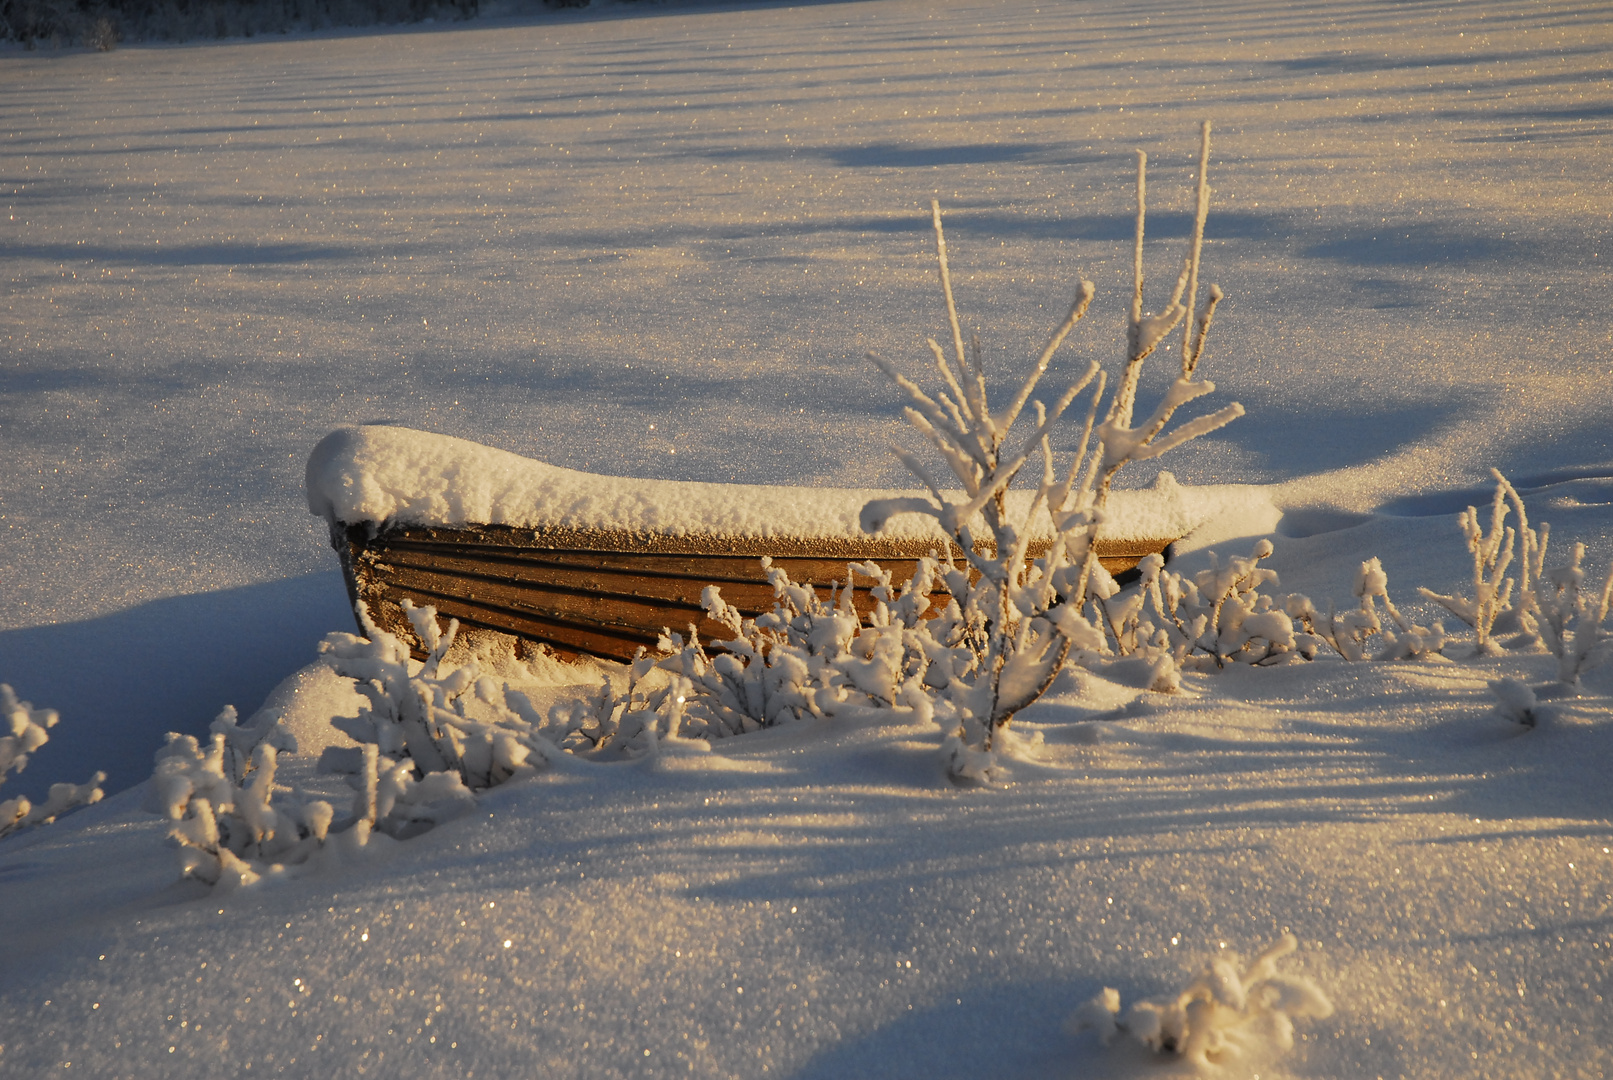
(596, 565)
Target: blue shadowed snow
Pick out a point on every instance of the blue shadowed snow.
(121, 681)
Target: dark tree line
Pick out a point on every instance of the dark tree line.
(102, 24)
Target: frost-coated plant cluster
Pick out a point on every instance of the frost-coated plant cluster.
(815, 657)
(234, 825)
(419, 713)
(1221, 617)
(1223, 1013)
(1012, 620)
(1553, 609)
(23, 730)
(219, 802)
(1014, 617)
(460, 730)
(431, 735)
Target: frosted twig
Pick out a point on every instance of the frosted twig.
(1201, 211)
(1492, 554)
(1121, 442)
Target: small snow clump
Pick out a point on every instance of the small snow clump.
(1222, 1014)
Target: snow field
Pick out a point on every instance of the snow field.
(549, 235)
(760, 907)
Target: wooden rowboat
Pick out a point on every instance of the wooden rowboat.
(553, 580)
(577, 592)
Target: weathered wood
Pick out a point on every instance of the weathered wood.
(575, 592)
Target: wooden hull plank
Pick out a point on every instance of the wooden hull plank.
(605, 595)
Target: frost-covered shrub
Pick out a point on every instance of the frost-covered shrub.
(1553, 611)
(1012, 621)
(420, 758)
(233, 824)
(1569, 619)
(440, 731)
(816, 657)
(226, 824)
(1223, 1013)
(219, 800)
(1030, 611)
(23, 730)
(1492, 553)
(1220, 616)
(1349, 633)
(1516, 701)
(422, 713)
(630, 715)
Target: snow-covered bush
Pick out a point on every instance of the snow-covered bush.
(1223, 1013)
(1569, 619)
(435, 732)
(446, 718)
(419, 712)
(815, 657)
(1221, 615)
(1554, 610)
(1349, 633)
(23, 730)
(224, 821)
(631, 713)
(1492, 553)
(1012, 620)
(219, 800)
(1515, 700)
(233, 824)
(1030, 611)
(420, 758)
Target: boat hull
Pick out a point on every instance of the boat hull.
(575, 592)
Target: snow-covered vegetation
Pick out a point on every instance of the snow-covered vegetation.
(1011, 620)
(658, 246)
(25, 731)
(1553, 608)
(1223, 1015)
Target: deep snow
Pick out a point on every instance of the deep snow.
(656, 242)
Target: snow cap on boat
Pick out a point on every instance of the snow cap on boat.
(395, 475)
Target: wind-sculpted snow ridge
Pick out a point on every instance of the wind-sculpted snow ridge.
(381, 473)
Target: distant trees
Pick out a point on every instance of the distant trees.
(102, 24)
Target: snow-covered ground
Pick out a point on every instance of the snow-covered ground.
(657, 241)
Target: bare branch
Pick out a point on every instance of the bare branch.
(1083, 299)
(1201, 211)
(946, 286)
